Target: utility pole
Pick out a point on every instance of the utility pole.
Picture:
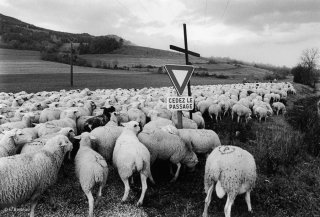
(71, 65)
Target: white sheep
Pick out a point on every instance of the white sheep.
(130, 156)
(11, 142)
(3, 119)
(261, 112)
(241, 110)
(68, 120)
(215, 109)
(234, 172)
(25, 122)
(168, 146)
(106, 138)
(29, 175)
(39, 143)
(186, 122)
(49, 114)
(201, 140)
(196, 117)
(279, 106)
(91, 169)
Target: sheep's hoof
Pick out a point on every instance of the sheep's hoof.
(173, 180)
(139, 203)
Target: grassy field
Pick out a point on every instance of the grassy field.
(285, 148)
(288, 181)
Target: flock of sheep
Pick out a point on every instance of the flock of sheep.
(130, 129)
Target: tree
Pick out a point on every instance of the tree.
(306, 71)
(310, 58)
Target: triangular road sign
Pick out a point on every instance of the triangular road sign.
(179, 76)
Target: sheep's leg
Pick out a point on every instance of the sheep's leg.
(90, 201)
(227, 208)
(99, 194)
(144, 188)
(177, 173)
(126, 189)
(131, 180)
(238, 118)
(207, 201)
(248, 201)
(34, 203)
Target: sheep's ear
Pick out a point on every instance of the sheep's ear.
(92, 137)
(123, 124)
(34, 124)
(77, 137)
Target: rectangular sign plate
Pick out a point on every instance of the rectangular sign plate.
(178, 103)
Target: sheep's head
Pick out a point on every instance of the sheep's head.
(190, 160)
(20, 138)
(132, 125)
(87, 140)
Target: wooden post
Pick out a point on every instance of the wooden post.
(187, 60)
(71, 66)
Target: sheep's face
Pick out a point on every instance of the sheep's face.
(132, 125)
(190, 159)
(20, 138)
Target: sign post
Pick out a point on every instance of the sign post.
(186, 52)
(180, 76)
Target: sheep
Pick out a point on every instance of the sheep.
(186, 122)
(12, 141)
(87, 109)
(196, 117)
(46, 128)
(279, 106)
(25, 122)
(241, 110)
(29, 175)
(262, 113)
(136, 114)
(234, 172)
(157, 122)
(68, 120)
(99, 120)
(167, 146)
(3, 119)
(49, 114)
(202, 141)
(130, 156)
(38, 144)
(216, 110)
(106, 138)
(90, 168)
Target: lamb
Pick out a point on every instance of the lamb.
(12, 141)
(234, 171)
(279, 106)
(91, 169)
(130, 156)
(29, 175)
(167, 146)
(202, 141)
(25, 122)
(136, 114)
(38, 144)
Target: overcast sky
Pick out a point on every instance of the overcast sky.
(262, 31)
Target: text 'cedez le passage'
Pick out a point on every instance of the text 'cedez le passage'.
(180, 103)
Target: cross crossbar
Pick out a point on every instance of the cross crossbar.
(172, 47)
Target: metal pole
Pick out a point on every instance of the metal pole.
(71, 66)
(187, 60)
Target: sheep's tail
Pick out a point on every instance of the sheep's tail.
(101, 171)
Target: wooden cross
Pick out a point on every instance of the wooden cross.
(186, 52)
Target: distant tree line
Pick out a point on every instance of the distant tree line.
(100, 45)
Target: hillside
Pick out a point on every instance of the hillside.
(17, 34)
